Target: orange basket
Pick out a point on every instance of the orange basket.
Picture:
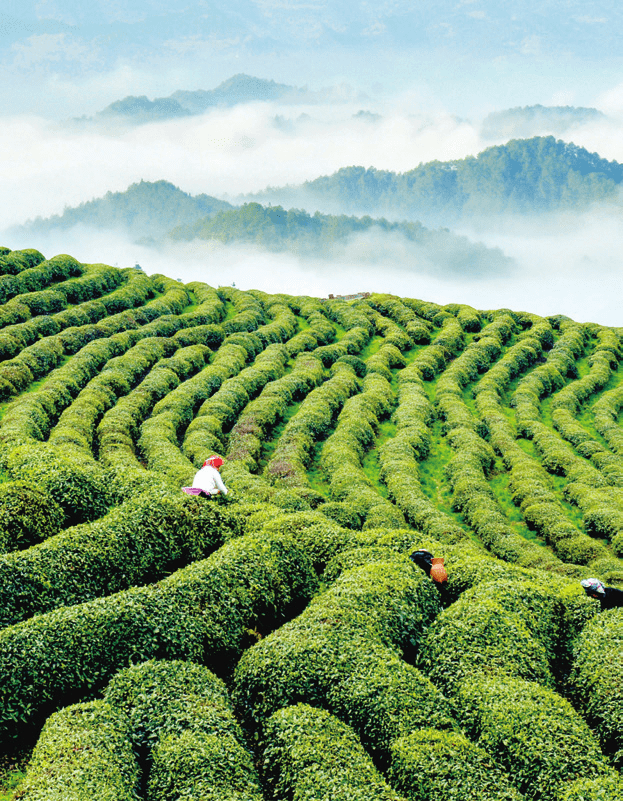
(438, 571)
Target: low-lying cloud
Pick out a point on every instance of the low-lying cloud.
(564, 265)
(226, 152)
(555, 272)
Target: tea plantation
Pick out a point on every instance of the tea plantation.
(278, 643)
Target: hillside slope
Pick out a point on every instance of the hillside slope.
(328, 236)
(278, 640)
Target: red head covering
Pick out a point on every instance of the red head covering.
(213, 461)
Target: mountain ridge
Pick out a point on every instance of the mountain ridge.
(145, 209)
(240, 88)
(536, 175)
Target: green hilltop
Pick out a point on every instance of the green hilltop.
(523, 176)
(326, 235)
(144, 209)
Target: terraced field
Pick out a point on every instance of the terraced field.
(277, 643)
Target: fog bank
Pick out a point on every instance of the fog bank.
(553, 273)
(564, 265)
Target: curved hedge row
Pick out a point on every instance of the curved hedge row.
(543, 760)
(606, 411)
(399, 456)
(418, 328)
(261, 414)
(530, 485)
(342, 654)
(118, 430)
(596, 679)
(430, 764)
(27, 516)
(312, 422)
(308, 753)
(248, 311)
(183, 729)
(493, 659)
(216, 415)
(136, 543)
(40, 273)
(14, 261)
(342, 453)
(84, 752)
(202, 613)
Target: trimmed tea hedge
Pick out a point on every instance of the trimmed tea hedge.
(27, 515)
(203, 613)
(441, 764)
(543, 758)
(84, 753)
(136, 543)
(597, 679)
(308, 753)
(341, 654)
(183, 728)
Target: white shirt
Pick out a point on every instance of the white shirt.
(209, 480)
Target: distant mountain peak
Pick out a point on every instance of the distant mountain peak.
(240, 88)
(144, 209)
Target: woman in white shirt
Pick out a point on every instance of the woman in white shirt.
(208, 478)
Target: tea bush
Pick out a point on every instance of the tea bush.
(84, 752)
(183, 728)
(27, 515)
(596, 679)
(481, 638)
(341, 654)
(308, 753)
(438, 764)
(202, 613)
(136, 543)
(501, 713)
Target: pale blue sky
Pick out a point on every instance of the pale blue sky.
(67, 56)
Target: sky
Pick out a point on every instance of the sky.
(432, 71)
(70, 57)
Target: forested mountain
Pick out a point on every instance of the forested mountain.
(526, 121)
(145, 209)
(325, 236)
(527, 176)
(240, 88)
(139, 110)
